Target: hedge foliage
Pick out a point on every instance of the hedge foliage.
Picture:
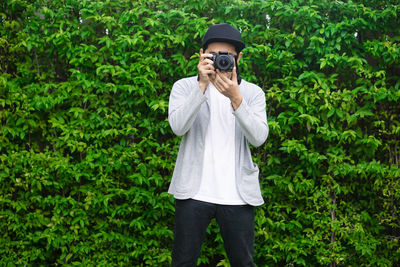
(87, 153)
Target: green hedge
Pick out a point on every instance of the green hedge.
(87, 153)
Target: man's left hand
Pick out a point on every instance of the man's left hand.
(229, 88)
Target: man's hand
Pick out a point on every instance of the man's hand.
(229, 88)
(206, 70)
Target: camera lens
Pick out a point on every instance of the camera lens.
(224, 63)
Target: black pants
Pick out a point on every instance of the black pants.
(236, 223)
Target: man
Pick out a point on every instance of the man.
(217, 114)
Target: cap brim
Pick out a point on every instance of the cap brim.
(238, 45)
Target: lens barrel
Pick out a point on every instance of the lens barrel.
(223, 61)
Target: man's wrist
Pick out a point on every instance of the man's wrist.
(203, 86)
(236, 101)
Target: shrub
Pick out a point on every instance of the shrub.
(87, 152)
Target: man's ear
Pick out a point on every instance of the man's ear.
(239, 56)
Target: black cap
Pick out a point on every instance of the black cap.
(223, 33)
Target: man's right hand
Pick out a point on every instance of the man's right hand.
(206, 70)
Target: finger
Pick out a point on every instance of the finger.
(204, 56)
(205, 66)
(217, 76)
(202, 67)
(216, 80)
(220, 77)
(208, 67)
(208, 72)
(223, 77)
(234, 75)
(221, 83)
(207, 61)
(212, 76)
(218, 86)
(201, 53)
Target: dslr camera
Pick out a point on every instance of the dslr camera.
(223, 61)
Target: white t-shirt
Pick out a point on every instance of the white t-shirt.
(218, 182)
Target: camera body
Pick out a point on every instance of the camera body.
(223, 61)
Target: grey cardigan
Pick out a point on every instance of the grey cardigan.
(188, 116)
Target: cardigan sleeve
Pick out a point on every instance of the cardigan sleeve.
(184, 104)
(253, 119)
